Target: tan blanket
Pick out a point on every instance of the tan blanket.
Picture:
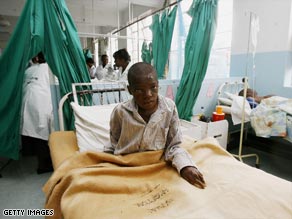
(98, 185)
(63, 144)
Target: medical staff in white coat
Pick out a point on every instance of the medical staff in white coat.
(105, 71)
(91, 67)
(37, 112)
(123, 62)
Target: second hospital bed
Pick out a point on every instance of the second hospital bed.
(271, 119)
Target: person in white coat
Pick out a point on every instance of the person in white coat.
(91, 67)
(123, 62)
(105, 71)
(37, 113)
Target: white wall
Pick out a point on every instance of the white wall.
(274, 19)
(86, 18)
(272, 62)
(290, 29)
(11, 7)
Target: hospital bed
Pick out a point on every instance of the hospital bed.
(93, 184)
(263, 126)
(271, 118)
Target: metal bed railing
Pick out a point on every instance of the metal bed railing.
(232, 87)
(112, 92)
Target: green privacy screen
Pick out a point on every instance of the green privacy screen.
(47, 26)
(162, 30)
(197, 52)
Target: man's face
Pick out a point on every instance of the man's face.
(145, 91)
(104, 60)
(118, 62)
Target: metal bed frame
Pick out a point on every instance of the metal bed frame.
(231, 86)
(103, 90)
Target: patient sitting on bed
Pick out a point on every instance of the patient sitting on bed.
(150, 122)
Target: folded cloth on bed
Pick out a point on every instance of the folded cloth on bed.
(141, 185)
(267, 121)
(269, 118)
(236, 110)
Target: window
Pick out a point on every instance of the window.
(288, 72)
(219, 61)
(139, 32)
(113, 47)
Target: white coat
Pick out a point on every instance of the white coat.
(104, 72)
(37, 110)
(123, 75)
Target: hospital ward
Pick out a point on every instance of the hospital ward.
(157, 109)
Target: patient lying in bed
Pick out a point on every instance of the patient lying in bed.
(150, 122)
(252, 97)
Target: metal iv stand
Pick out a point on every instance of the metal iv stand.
(240, 156)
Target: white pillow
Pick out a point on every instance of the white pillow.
(92, 126)
(230, 95)
(225, 101)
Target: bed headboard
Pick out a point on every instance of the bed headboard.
(230, 87)
(97, 93)
(100, 92)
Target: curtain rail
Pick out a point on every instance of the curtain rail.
(142, 18)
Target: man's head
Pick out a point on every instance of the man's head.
(249, 93)
(143, 85)
(122, 58)
(39, 58)
(104, 60)
(89, 62)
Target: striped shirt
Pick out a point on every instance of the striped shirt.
(129, 133)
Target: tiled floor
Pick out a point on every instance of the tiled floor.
(21, 186)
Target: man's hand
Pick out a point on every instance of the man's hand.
(193, 176)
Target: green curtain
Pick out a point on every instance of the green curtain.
(87, 53)
(146, 52)
(162, 30)
(44, 26)
(197, 51)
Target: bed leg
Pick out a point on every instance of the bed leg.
(240, 157)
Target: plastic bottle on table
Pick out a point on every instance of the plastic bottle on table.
(203, 117)
(218, 114)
